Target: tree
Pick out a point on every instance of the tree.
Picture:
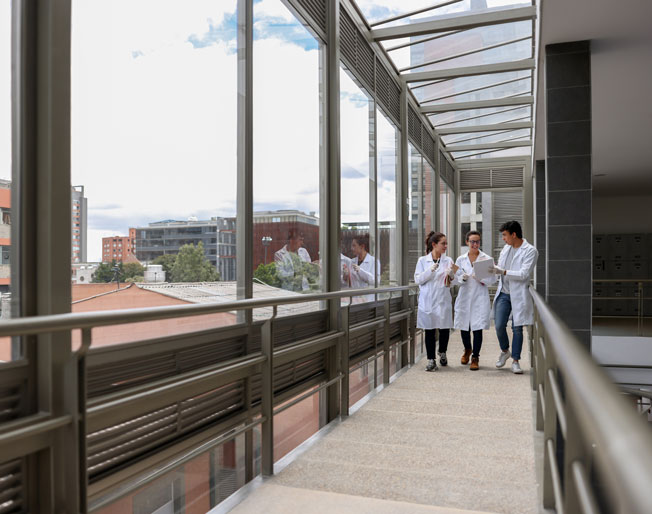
(167, 261)
(133, 271)
(104, 272)
(267, 274)
(191, 265)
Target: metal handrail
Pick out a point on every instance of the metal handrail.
(602, 430)
(69, 321)
(124, 405)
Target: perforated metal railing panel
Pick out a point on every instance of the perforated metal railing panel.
(12, 486)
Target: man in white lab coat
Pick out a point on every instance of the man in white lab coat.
(515, 267)
(290, 263)
(364, 267)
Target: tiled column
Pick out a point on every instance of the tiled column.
(540, 212)
(568, 184)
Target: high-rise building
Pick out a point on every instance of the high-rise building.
(79, 224)
(5, 234)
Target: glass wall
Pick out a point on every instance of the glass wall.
(446, 207)
(387, 159)
(6, 353)
(360, 267)
(154, 152)
(286, 154)
(415, 245)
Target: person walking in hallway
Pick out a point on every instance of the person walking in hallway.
(515, 266)
(472, 306)
(434, 274)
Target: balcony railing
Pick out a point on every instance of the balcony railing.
(127, 401)
(597, 450)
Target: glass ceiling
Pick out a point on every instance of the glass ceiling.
(469, 63)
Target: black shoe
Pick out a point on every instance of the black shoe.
(442, 359)
(432, 365)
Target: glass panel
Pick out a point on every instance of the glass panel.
(481, 154)
(388, 142)
(360, 268)
(296, 424)
(361, 382)
(477, 116)
(414, 220)
(473, 138)
(428, 181)
(286, 153)
(6, 352)
(446, 211)
(197, 486)
(474, 217)
(500, 89)
(154, 109)
(445, 49)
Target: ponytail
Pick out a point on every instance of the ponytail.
(432, 239)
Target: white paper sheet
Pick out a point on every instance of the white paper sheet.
(481, 269)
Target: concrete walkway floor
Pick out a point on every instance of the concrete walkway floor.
(449, 441)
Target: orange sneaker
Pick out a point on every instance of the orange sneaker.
(465, 357)
(475, 364)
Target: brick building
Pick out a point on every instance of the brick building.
(120, 248)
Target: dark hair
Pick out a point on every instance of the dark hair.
(432, 239)
(472, 233)
(294, 233)
(513, 227)
(363, 240)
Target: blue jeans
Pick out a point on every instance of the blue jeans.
(503, 310)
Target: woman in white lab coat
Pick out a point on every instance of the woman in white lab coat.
(434, 274)
(472, 306)
(364, 267)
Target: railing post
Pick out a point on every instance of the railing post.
(574, 450)
(267, 398)
(344, 362)
(412, 320)
(549, 426)
(386, 343)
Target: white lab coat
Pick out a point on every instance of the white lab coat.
(518, 274)
(365, 276)
(472, 306)
(435, 300)
(284, 260)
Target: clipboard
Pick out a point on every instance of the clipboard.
(481, 269)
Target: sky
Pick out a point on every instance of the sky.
(153, 121)
(154, 100)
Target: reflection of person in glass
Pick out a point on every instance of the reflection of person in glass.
(364, 267)
(292, 261)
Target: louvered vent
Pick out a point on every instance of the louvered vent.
(507, 177)
(447, 172)
(316, 10)
(506, 206)
(500, 178)
(414, 127)
(389, 94)
(12, 487)
(475, 179)
(428, 145)
(355, 51)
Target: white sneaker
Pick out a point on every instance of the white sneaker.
(516, 368)
(502, 359)
(432, 365)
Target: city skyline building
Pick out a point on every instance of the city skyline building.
(79, 225)
(120, 248)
